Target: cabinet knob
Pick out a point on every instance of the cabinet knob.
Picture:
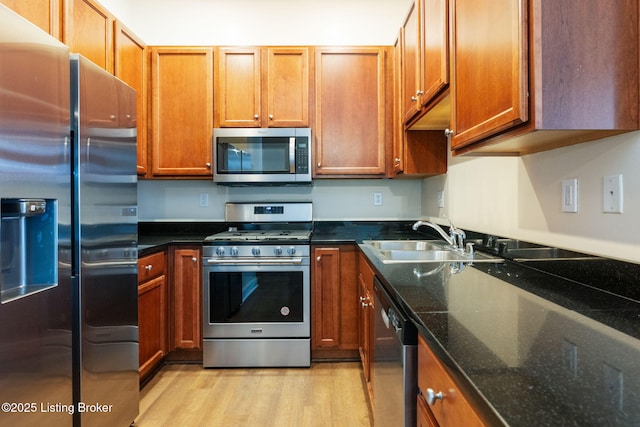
(319, 164)
(148, 267)
(432, 396)
(194, 259)
(419, 92)
(448, 133)
(208, 165)
(414, 99)
(397, 160)
(270, 116)
(256, 116)
(319, 258)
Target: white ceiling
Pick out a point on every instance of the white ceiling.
(262, 22)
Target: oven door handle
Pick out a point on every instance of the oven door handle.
(266, 261)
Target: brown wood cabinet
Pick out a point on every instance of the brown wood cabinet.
(415, 152)
(287, 87)
(353, 111)
(43, 13)
(451, 408)
(425, 55)
(131, 66)
(152, 312)
(186, 296)
(532, 75)
(181, 111)
(366, 307)
(238, 87)
(334, 302)
(88, 30)
(263, 87)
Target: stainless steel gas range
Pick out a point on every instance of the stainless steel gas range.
(257, 282)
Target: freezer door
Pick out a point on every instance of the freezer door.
(35, 287)
(107, 262)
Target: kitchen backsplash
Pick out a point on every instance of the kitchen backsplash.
(334, 199)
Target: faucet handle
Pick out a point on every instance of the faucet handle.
(469, 248)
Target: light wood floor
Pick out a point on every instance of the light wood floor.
(327, 394)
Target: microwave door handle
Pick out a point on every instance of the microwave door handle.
(292, 154)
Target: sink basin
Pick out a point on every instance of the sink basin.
(427, 255)
(405, 245)
(422, 251)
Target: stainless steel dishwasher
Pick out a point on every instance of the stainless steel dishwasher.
(394, 363)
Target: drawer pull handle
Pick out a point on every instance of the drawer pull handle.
(432, 396)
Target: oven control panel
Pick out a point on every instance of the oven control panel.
(254, 251)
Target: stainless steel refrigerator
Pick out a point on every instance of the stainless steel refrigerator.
(68, 236)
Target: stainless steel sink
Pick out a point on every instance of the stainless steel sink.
(405, 245)
(422, 251)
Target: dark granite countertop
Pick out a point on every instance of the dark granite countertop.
(529, 348)
(153, 236)
(529, 343)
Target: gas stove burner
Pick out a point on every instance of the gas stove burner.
(270, 222)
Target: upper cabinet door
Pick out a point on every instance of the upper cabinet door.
(490, 73)
(238, 90)
(182, 111)
(425, 55)
(130, 63)
(88, 30)
(434, 39)
(43, 13)
(352, 118)
(287, 87)
(410, 52)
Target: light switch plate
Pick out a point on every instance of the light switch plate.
(570, 195)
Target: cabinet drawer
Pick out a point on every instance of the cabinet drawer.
(452, 409)
(151, 266)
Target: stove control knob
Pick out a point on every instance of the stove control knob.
(220, 251)
(255, 251)
(234, 251)
(291, 250)
(277, 250)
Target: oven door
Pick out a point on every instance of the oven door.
(256, 300)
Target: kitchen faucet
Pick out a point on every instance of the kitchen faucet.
(455, 238)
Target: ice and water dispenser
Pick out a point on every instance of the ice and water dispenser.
(28, 246)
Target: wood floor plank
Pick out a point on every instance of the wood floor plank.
(326, 394)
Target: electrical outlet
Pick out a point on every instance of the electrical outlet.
(377, 198)
(613, 385)
(570, 357)
(440, 196)
(204, 200)
(570, 195)
(612, 194)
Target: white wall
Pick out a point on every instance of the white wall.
(512, 197)
(332, 199)
(262, 22)
(520, 197)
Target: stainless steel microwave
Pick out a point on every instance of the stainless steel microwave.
(262, 156)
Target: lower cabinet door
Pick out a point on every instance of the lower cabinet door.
(152, 323)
